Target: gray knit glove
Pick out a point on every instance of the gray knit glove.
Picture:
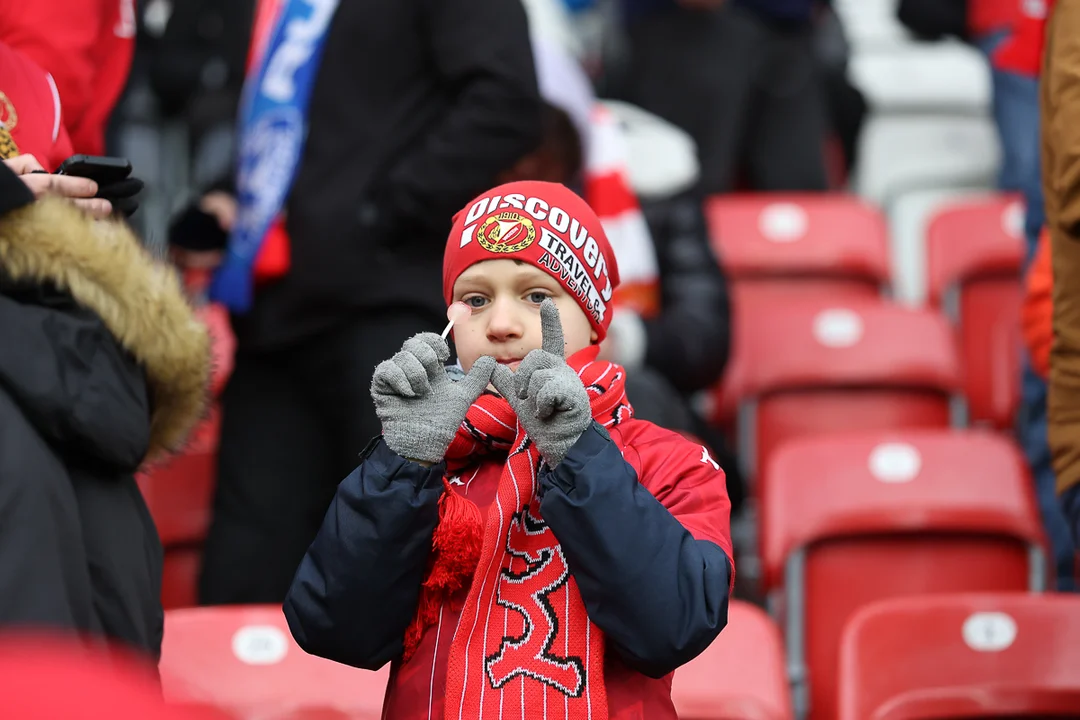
(419, 406)
(546, 393)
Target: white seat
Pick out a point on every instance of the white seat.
(902, 153)
(936, 77)
(661, 159)
(908, 216)
(871, 24)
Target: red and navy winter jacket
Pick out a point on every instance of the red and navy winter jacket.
(642, 515)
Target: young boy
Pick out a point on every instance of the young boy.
(530, 552)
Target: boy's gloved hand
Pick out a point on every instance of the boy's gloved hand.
(546, 393)
(419, 406)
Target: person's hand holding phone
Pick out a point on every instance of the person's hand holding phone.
(81, 191)
(113, 178)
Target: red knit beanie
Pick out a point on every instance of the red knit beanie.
(546, 225)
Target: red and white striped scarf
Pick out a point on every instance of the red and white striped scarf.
(524, 645)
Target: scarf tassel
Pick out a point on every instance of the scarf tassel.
(456, 546)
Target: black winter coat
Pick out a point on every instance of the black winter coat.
(102, 363)
(689, 342)
(417, 106)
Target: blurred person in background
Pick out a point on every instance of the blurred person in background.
(32, 127)
(397, 114)
(27, 89)
(196, 69)
(742, 77)
(846, 106)
(1010, 34)
(86, 46)
(1060, 111)
(671, 320)
(1037, 332)
(1016, 61)
(1037, 312)
(104, 366)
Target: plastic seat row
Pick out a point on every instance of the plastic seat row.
(962, 656)
(846, 520)
(926, 657)
(785, 254)
(850, 519)
(243, 660)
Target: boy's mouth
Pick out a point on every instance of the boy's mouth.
(511, 363)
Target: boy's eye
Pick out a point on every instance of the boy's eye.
(538, 296)
(474, 301)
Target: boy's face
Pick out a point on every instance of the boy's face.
(505, 297)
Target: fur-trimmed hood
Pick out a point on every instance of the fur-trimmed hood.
(103, 267)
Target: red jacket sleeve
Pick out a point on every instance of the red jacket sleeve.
(1021, 52)
(644, 532)
(687, 481)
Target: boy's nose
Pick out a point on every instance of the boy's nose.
(504, 323)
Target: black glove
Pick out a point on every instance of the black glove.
(122, 194)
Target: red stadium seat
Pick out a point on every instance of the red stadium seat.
(975, 251)
(852, 518)
(50, 676)
(243, 660)
(748, 297)
(866, 364)
(817, 236)
(798, 247)
(741, 676)
(962, 656)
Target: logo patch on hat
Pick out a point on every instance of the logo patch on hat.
(507, 232)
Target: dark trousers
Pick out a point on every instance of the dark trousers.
(750, 95)
(293, 423)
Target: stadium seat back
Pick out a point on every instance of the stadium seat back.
(741, 676)
(244, 660)
(771, 235)
(851, 518)
(819, 366)
(975, 251)
(1009, 655)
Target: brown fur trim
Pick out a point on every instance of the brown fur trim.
(138, 299)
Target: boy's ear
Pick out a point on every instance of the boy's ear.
(594, 337)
